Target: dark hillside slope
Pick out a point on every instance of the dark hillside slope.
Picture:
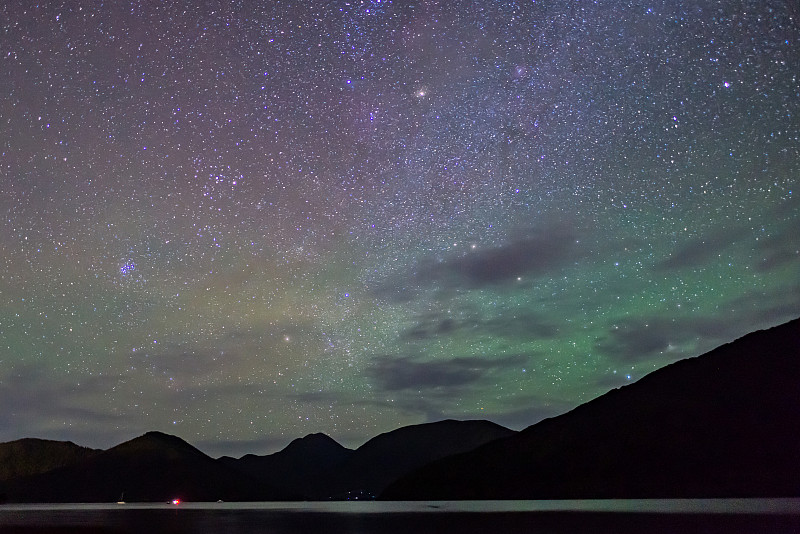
(391, 455)
(31, 456)
(724, 424)
(303, 468)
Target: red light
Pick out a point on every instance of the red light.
(176, 501)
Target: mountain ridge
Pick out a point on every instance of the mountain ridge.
(31, 456)
(721, 424)
(320, 469)
(302, 467)
(151, 467)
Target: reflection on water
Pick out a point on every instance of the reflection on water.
(464, 517)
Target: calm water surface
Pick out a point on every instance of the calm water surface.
(462, 517)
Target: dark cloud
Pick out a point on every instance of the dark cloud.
(186, 394)
(432, 326)
(777, 258)
(32, 392)
(320, 397)
(778, 313)
(760, 309)
(394, 373)
(542, 252)
(634, 342)
(434, 405)
(532, 253)
(184, 362)
(192, 360)
(519, 325)
(396, 290)
(640, 339)
(779, 249)
(789, 209)
(702, 249)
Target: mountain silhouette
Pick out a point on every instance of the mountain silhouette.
(31, 456)
(152, 467)
(304, 468)
(384, 458)
(724, 424)
(318, 468)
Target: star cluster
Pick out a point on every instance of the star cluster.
(241, 222)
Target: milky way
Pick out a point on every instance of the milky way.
(242, 222)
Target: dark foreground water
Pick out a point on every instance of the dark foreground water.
(534, 517)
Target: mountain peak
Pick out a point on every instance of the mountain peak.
(313, 442)
(154, 441)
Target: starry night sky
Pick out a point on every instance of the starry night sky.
(242, 222)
